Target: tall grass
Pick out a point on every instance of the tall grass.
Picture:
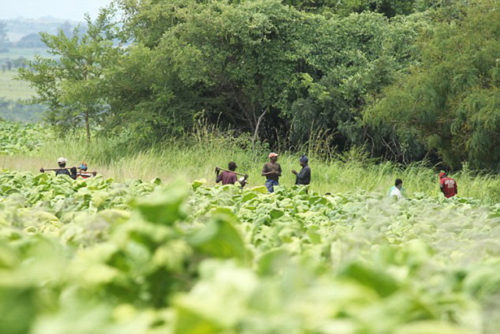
(195, 157)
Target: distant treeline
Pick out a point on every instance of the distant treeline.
(405, 80)
(20, 112)
(8, 64)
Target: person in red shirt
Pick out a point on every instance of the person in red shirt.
(447, 185)
(227, 176)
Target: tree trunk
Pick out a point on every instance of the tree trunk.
(87, 125)
(256, 133)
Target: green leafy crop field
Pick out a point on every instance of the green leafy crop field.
(21, 138)
(99, 256)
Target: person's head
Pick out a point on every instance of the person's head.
(273, 157)
(398, 183)
(442, 174)
(83, 166)
(303, 160)
(61, 162)
(232, 166)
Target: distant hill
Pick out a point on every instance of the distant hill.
(19, 28)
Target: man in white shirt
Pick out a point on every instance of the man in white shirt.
(395, 191)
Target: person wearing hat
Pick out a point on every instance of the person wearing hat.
(227, 176)
(304, 176)
(63, 170)
(272, 172)
(447, 185)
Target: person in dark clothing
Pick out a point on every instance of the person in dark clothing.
(304, 176)
(272, 172)
(227, 177)
(63, 170)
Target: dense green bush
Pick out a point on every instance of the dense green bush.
(451, 100)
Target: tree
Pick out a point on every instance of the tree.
(69, 83)
(228, 61)
(347, 63)
(451, 100)
(239, 62)
(389, 8)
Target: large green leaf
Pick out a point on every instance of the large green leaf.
(220, 238)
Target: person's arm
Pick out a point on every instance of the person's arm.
(441, 186)
(218, 175)
(279, 170)
(300, 176)
(265, 171)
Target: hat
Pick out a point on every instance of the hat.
(61, 160)
(304, 158)
(272, 155)
(442, 174)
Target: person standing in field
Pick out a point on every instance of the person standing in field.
(62, 170)
(447, 185)
(395, 191)
(227, 177)
(304, 176)
(272, 172)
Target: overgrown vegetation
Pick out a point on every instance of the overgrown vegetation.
(405, 80)
(195, 156)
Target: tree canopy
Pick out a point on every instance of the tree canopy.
(405, 80)
(451, 100)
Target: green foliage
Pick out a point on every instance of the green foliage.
(287, 72)
(388, 8)
(21, 138)
(358, 56)
(20, 112)
(123, 157)
(231, 62)
(228, 61)
(352, 262)
(451, 99)
(70, 85)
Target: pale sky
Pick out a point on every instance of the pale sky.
(62, 9)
